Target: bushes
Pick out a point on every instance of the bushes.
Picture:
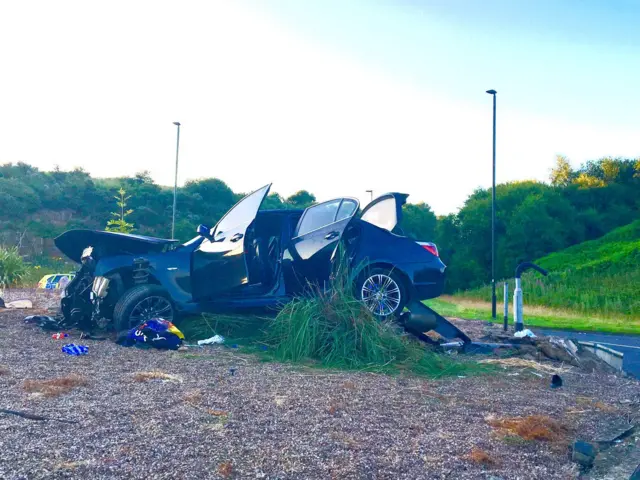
(12, 267)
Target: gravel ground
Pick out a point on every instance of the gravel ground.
(269, 420)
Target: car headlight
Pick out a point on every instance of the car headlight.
(100, 286)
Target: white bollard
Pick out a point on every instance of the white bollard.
(517, 307)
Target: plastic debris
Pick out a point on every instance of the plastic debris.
(59, 336)
(212, 340)
(524, 333)
(73, 349)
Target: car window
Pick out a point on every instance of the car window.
(243, 213)
(347, 209)
(382, 214)
(318, 216)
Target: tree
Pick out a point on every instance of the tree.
(562, 173)
(301, 199)
(119, 222)
(584, 180)
(610, 169)
(419, 221)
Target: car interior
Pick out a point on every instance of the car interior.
(264, 242)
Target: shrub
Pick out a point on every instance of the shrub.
(12, 267)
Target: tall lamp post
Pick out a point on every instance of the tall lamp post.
(493, 213)
(175, 184)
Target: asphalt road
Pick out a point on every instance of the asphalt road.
(627, 344)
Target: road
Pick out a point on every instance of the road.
(627, 344)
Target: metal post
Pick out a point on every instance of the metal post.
(506, 306)
(493, 219)
(175, 184)
(517, 307)
(493, 213)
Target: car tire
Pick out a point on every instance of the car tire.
(394, 297)
(141, 303)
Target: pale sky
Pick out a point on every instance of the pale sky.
(335, 97)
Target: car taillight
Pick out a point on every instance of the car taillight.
(431, 248)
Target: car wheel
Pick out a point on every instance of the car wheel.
(142, 303)
(383, 292)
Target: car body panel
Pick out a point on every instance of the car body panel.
(73, 242)
(219, 264)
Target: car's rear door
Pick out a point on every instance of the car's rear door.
(316, 237)
(218, 265)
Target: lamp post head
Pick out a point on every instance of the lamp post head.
(491, 92)
(177, 124)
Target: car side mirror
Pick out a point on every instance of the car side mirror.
(204, 231)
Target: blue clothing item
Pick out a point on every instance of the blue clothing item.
(73, 349)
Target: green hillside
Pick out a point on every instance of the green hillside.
(596, 278)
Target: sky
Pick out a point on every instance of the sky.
(333, 96)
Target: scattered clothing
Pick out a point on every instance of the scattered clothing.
(155, 333)
(59, 336)
(76, 350)
(44, 321)
(212, 340)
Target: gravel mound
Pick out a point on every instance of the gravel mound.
(214, 412)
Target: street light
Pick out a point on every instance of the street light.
(493, 214)
(370, 192)
(175, 184)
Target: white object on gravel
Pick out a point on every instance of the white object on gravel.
(19, 304)
(524, 333)
(212, 341)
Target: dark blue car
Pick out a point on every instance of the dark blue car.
(251, 258)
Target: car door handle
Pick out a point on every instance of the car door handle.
(236, 237)
(331, 235)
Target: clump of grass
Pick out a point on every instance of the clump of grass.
(155, 375)
(334, 329)
(225, 469)
(532, 427)
(55, 386)
(481, 457)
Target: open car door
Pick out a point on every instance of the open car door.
(218, 265)
(316, 238)
(385, 211)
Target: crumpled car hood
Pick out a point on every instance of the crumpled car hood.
(73, 242)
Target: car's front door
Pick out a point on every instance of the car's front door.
(218, 265)
(316, 238)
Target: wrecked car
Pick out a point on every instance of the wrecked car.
(250, 258)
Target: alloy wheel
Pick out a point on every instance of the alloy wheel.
(381, 294)
(151, 307)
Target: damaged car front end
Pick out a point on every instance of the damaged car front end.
(110, 265)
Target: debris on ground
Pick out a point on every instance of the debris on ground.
(55, 387)
(19, 304)
(531, 427)
(154, 333)
(523, 363)
(75, 350)
(524, 333)
(216, 339)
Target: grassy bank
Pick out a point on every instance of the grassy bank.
(598, 279)
(534, 316)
